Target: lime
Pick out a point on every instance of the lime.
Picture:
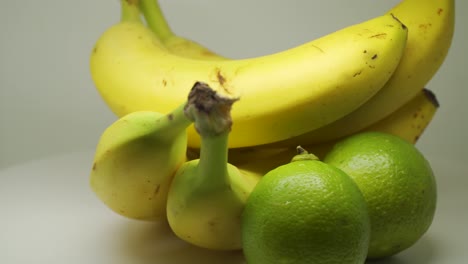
(305, 212)
(397, 183)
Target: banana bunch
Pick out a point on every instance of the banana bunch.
(180, 151)
(283, 95)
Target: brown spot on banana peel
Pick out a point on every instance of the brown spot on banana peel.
(440, 11)
(357, 73)
(156, 190)
(425, 27)
(222, 80)
(212, 223)
(321, 50)
(379, 36)
(220, 77)
(370, 66)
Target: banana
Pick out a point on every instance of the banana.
(177, 45)
(207, 195)
(135, 160)
(440, 35)
(283, 94)
(408, 122)
(430, 25)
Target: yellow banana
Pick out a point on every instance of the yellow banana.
(283, 94)
(134, 162)
(430, 25)
(135, 159)
(207, 195)
(137, 156)
(175, 44)
(408, 122)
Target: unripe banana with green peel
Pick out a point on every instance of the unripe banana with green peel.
(207, 195)
(175, 44)
(322, 80)
(135, 160)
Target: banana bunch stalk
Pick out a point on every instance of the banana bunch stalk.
(178, 151)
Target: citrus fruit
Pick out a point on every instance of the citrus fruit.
(305, 212)
(397, 183)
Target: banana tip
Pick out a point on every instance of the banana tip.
(431, 96)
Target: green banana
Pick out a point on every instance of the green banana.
(207, 195)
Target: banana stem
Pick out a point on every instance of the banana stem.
(174, 122)
(212, 165)
(211, 114)
(155, 19)
(129, 10)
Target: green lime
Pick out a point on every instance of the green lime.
(305, 212)
(397, 183)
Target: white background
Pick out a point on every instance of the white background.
(48, 104)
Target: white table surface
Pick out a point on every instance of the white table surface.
(50, 215)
